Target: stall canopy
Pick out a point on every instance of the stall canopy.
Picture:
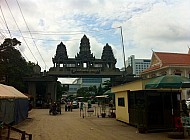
(10, 92)
(168, 81)
(13, 105)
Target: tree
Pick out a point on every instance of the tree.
(107, 85)
(99, 90)
(61, 89)
(13, 67)
(83, 92)
(92, 90)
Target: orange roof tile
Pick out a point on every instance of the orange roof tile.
(173, 58)
(151, 68)
(170, 59)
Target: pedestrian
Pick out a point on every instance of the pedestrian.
(184, 108)
(71, 106)
(66, 108)
(81, 106)
(89, 104)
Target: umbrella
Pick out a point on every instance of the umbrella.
(168, 81)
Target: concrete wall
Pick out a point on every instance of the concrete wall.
(122, 112)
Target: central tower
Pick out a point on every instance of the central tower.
(85, 56)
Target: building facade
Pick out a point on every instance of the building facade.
(85, 82)
(138, 65)
(73, 89)
(163, 63)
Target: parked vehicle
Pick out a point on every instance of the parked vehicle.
(75, 105)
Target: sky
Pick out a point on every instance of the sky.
(146, 25)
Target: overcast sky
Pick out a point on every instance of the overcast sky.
(158, 25)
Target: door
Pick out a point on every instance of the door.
(155, 110)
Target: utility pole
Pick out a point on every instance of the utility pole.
(123, 49)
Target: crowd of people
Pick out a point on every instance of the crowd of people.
(69, 106)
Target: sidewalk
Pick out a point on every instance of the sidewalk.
(70, 126)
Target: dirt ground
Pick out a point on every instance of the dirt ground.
(70, 126)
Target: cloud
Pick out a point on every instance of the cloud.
(161, 25)
(163, 28)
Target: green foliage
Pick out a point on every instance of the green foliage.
(107, 85)
(61, 89)
(92, 90)
(100, 91)
(104, 87)
(83, 92)
(13, 67)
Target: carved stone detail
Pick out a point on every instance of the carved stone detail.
(84, 61)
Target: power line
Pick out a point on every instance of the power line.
(51, 39)
(5, 22)
(2, 35)
(20, 33)
(2, 23)
(31, 34)
(65, 32)
(7, 26)
(1, 32)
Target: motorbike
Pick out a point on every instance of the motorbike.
(55, 109)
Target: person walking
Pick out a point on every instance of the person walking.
(81, 109)
(89, 104)
(81, 106)
(71, 106)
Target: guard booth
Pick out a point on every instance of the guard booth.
(152, 110)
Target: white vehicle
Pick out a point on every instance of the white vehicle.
(75, 104)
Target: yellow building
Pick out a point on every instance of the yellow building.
(155, 108)
(121, 98)
(146, 109)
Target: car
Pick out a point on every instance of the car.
(75, 105)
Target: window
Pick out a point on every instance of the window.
(121, 102)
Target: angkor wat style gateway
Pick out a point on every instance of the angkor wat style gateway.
(84, 64)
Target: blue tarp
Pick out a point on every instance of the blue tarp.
(21, 110)
(7, 110)
(13, 105)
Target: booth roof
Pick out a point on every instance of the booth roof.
(102, 96)
(10, 92)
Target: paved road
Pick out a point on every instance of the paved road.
(70, 126)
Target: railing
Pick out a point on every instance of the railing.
(185, 122)
(98, 111)
(24, 135)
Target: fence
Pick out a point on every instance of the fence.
(98, 111)
(186, 124)
(7, 135)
